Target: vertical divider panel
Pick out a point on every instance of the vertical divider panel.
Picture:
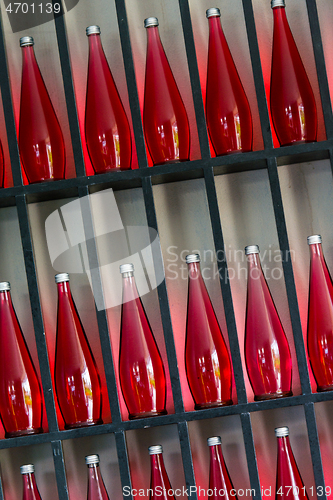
(125, 474)
(251, 454)
(185, 447)
(317, 464)
(1, 487)
(60, 471)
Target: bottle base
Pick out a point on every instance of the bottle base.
(324, 388)
(213, 404)
(83, 424)
(234, 152)
(24, 432)
(133, 416)
(273, 395)
(295, 143)
(168, 162)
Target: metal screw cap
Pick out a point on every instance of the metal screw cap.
(213, 441)
(27, 469)
(150, 21)
(251, 249)
(126, 268)
(281, 432)
(61, 277)
(192, 257)
(93, 30)
(4, 286)
(213, 12)
(92, 459)
(154, 450)
(315, 238)
(278, 3)
(26, 40)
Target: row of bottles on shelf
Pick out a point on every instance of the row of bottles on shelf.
(166, 126)
(141, 370)
(289, 482)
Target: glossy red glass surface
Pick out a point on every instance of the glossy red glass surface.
(293, 106)
(164, 115)
(207, 361)
(20, 394)
(159, 483)
(41, 143)
(320, 320)
(267, 353)
(96, 486)
(228, 113)
(30, 490)
(289, 484)
(108, 134)
(141, 369)
(77, 381)
(219, 479)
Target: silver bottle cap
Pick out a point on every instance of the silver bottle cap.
(93, 30)
(92, 459)
(126, 268)
(61, 277)
(4, 286)
(213, 441)
(150, 21)
(278, 3)
(26, 40)
(154, 450)
(315, 238)
(251, 249)
(27, 469)
(281, 432)
(213, 12)
(192, 257)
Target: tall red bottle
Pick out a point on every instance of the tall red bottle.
(267, 353)
(20, 394)
(320, 317)
(96, 486)
(77, 381)
(219, 479)
(207, 361)
(141, 370)
(228, 113)
(293, 105)
(164, 115)
(42, 148)
(289, 484)
(159, 484)
(108, 134)
(30, 490)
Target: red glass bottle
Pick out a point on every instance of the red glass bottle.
(293, 106)
(164, 115)
(108, 135)
(20, 394)
(77, 381)
(219, 479)
(96, 486)
(228, 113)
(159, 484)
(207, 361)
(30, 490)
(42, 148)
(267, 353)
(289, 484)
(141, 370)
(320, 317)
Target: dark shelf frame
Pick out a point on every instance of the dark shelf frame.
(144, 177)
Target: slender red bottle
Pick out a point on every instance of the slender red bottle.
(289, 484)
(320, 317)
(96, 486)
(141, 369)
(228, 113)
(219, 479)
(164, 115)
(20, 394)
(159, 484)
(30, 490)
(108, 134)
(77, 381)
(293, 105)
(267, 353)
(207, 361)
(42, 148)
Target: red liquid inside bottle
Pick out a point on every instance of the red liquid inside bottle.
(141, 369)
(108, 134)
(219, 479)
(293, 105)
(42, 148)
(77, 381)
(267, 353)
(20, 394)
(228, 113)
(164, 115)
(159, 483)
(289, 484)
(207, 361)
(30, 490)
(96, 486)
(320, 317)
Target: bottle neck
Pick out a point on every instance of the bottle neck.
(130, 291)
(316, 251)
(283, 444)
(215, 26)
(157, 462)
(153, 36)
(93, 469)
(28, 55)
(254, 266)
(279, 15)
(194, 270)
(30, 490)
(5, 297)
(95, 43)
(64, 289)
